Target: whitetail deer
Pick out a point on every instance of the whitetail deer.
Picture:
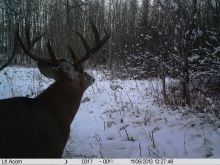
(39, 127)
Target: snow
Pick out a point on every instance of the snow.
(174, 6)
(119, 119)
(193, 58)
(216, 50)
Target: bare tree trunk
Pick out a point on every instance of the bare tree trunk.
(186, 91)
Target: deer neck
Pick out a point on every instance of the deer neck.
(62, 99)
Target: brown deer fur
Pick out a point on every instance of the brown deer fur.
(39, 127)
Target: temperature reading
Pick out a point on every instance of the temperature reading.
(108, 161)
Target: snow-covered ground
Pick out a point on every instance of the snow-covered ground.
(119, 119)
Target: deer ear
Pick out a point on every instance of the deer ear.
(69, 70)
(48, 71)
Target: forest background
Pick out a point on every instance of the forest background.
(178, 39)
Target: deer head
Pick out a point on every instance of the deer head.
(53, 68)
(40, 127)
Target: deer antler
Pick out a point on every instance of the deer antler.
(53, 61)
(89, 51)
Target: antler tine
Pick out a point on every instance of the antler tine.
(73, 55)
(101, 43)
(50, 51)
(75, 60)
(85, 43)
(36, 39)
(27, 34)
(52, 62)
(96, 33)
